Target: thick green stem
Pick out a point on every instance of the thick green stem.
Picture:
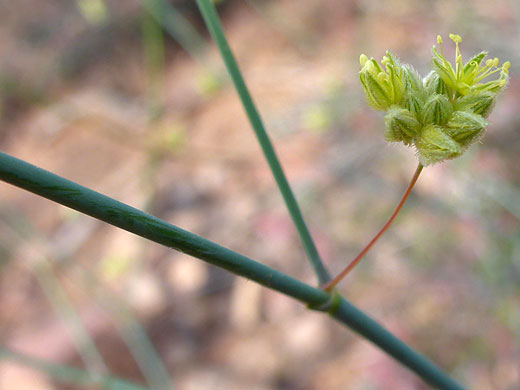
(215, 28)
(87, 201)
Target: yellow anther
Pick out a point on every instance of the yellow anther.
(506, 66)
(439, 39)
(370, 67)
(363, 59)
(456, 38)
(495, 62)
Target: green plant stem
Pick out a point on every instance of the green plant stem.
(211, 18)
(329, 286)
(87, 201)
(67, 374)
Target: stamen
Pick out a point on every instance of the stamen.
(363, 59)
(456, 38)
(439, 41)
(458, 56)
(489, 72)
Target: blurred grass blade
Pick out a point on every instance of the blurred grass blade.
(87, 201)
(153, 42)
(501, 192)
(178, 26)
(143, 351)
(128, 325)
(69, 375)
(133, 334)
(212, 21)
(65, 309)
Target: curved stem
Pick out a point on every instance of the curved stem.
(329, 286)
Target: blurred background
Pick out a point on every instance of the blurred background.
(131, 99)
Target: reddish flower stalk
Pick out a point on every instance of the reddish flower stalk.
(330, 285)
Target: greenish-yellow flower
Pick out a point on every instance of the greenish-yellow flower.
(442, 114)
(466, 78)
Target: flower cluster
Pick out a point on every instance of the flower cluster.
(442, 114)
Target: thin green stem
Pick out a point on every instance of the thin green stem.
(67, 374)
(211, 18)
(87, 201)
(329, 286)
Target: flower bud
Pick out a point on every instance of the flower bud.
(435, 85)
(382, 87)
(415, 93)
(413, 83)
(434, 146)
(465, 127)
(481, 104)
(437, 110)
(414, 104)
(377, 96)
(401, 125)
